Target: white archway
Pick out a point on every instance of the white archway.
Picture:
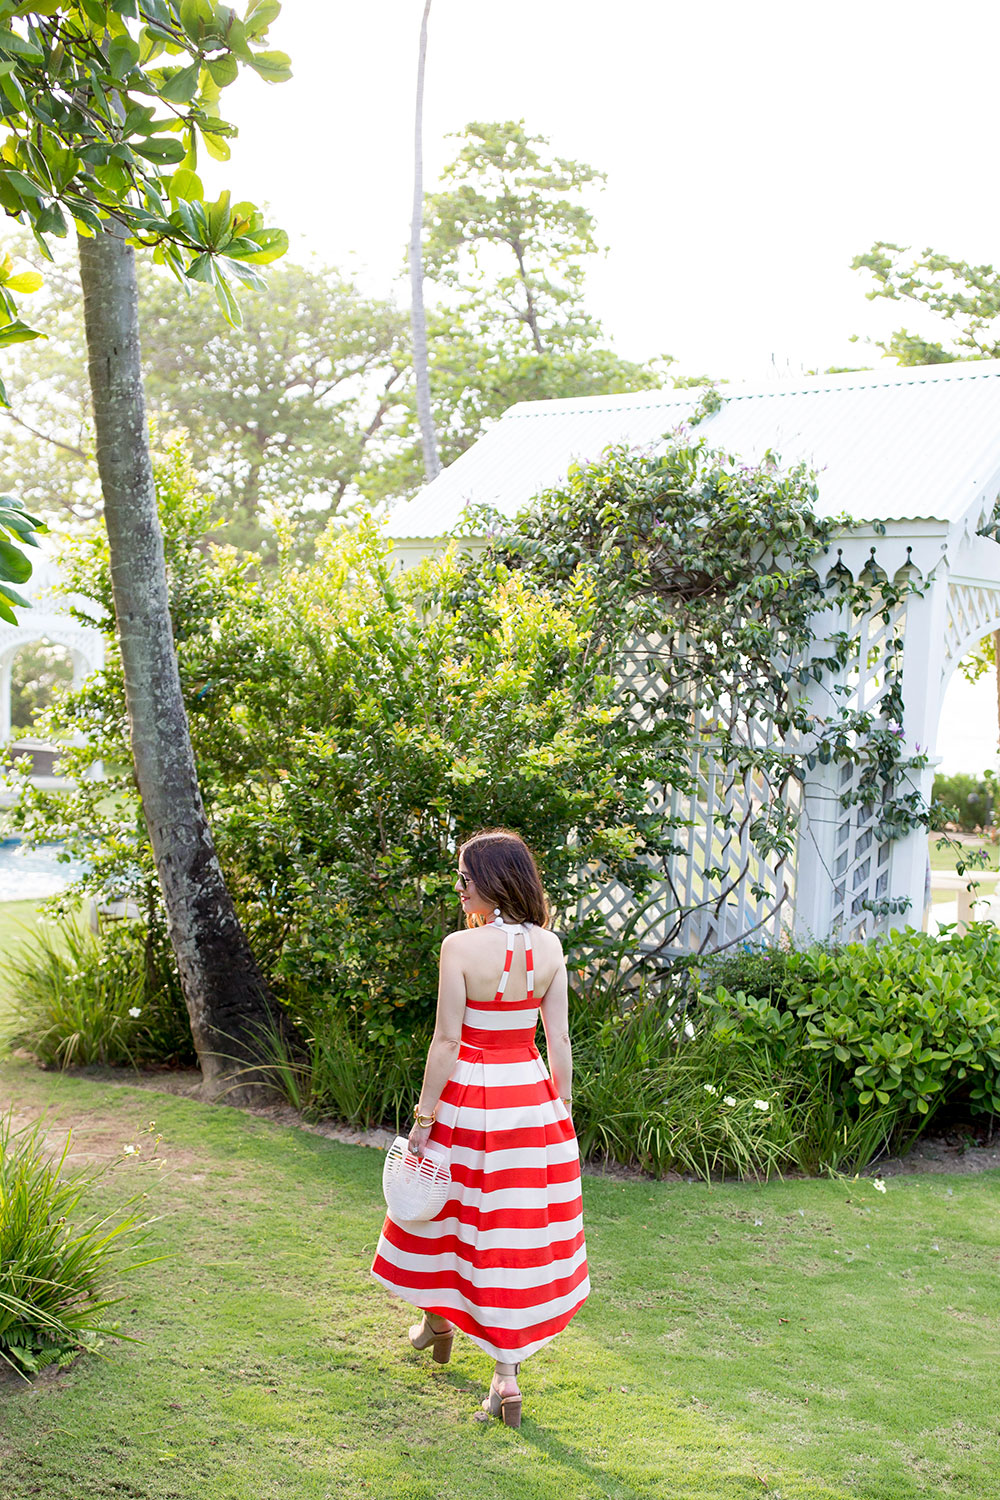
(48, 617)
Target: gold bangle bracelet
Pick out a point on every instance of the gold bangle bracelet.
(423, 1120)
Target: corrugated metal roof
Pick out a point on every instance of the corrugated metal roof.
(903, 444)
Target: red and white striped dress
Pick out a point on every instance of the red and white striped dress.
(505, 1259)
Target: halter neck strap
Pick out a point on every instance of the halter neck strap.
(523, 929)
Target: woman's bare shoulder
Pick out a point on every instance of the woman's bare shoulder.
(465, 940)
(547, 941)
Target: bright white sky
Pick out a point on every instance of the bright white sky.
(751, 151)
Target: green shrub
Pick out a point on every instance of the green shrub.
(77, 998)
(352, 723)
(902, 1025)
(967, 799)
(55, 1265)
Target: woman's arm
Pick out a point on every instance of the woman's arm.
(446, 1040)
(555, 1020)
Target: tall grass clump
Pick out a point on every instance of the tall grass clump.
(56, 1262)
(364, 1080)
(652, 1090)
(78, 998)
(345, 1071)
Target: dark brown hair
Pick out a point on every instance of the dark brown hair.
(504, 871)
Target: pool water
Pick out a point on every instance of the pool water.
(30, 874)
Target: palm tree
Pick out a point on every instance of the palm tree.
(428, 437)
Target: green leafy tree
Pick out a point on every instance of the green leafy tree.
(38, 671)
(285, 410)
(964, 297)
(84, 144)
(506, 243)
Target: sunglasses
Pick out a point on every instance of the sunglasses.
(464, 881)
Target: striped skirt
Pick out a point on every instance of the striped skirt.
(505, 1259)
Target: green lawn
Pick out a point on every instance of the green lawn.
(945, 859)
(15, 918)
(804, 1339)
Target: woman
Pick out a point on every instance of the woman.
(505, 1259)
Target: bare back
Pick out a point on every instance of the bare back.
(482, 950)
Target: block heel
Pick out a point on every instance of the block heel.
(422, 1334)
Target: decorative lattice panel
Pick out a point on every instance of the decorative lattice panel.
(860, 858)
(973, 609)
(722, 889)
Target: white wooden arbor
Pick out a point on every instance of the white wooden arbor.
(913, 457)
(49, 618)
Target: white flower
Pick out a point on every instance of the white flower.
(758, 1223)
(730, 1101)
(129, 1150)
(761, 1104)
(710, 1088)
(878, 1184)
(134, 1011)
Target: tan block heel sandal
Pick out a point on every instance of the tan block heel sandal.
(422, 1334)
(499, 1404)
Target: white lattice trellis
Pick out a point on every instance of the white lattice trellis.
(973, 611)
(719, 886)
(722, 888)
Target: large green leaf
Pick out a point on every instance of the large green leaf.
(123, 55)
(216, 145)
(24, 281)
(260, 14)
(182, 87)
(163, 152)
(20, 525)
(259, 247)
(21, 183)
(223, 69)
(7, 592)
(14, 566)
(276, 67)
(186, 184)
(17, 332)
(196, 16)
(201, 269)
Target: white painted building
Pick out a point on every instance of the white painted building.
(913, 456)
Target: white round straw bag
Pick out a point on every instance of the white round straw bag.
(415, 1187)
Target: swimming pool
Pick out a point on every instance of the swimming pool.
(30, 874)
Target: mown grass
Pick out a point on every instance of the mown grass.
(17, 924)
(16, 920)
(797, 1339)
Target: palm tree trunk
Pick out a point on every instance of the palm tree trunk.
(226, 995)
(418, 321)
